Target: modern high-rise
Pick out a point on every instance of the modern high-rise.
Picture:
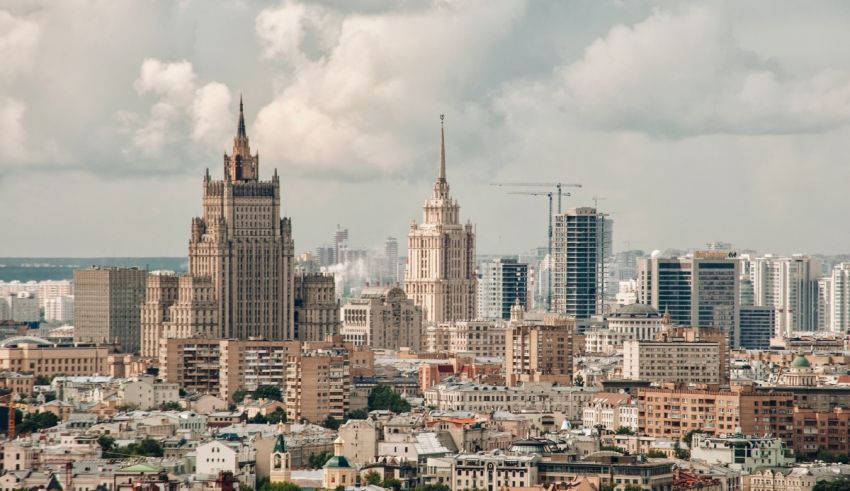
(789, 284)
(440, 275)
(840, 299)
(107, 306)
(391, 257)
(581, 253)
(701, 290)
(502, 283)
(758, 325)
(243, 249)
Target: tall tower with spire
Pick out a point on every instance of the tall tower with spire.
(243, 250)
(440, 275)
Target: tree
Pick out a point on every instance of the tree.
(578, 381)
(680, 452)
(656, 454)
(373, 478)
(278, 486)
(339, 488)
(171, 406)
(42, 380)
(146, 448)
(32, 422)
(689, 436)
(433, 487)
(623, 430)
(239, 395)
(391, 482)
(357, 414)
(331, 423)
(841, 484)
(268, 392)
(384, 397)
(106, 442)
(277, 416)
(317, 461)
(832, 458)
(632, 487)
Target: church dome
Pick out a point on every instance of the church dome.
(800, 362)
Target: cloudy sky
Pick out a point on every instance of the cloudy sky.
(693, 121)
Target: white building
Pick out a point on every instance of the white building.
(502, 282)
(789, 284)
(745, 454)
(493, 471)
(611, 411)
(839, 299)
(219, 456)
(627, 292)
(146, 393)
(482, 338)
(23, 307)
(59, 308)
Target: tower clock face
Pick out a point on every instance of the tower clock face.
(490, 466)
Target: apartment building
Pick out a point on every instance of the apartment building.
(680, 355)
(671, 412)
(611, 411)
(540, 351)
(827, 431)
(481, 338)
(318, 383)
(383, 318)
(107, 306)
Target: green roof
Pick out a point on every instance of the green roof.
(337, 461)
(142, 468)
(800, 362)
(280, 444)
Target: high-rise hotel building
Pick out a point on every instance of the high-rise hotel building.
(440, 274)
(240, 260)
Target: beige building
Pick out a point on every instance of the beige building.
(107, 306)
(382, 318)
(146, 393)
(318, 382)
(240, 256)
(360, 441)
(481, 338)
(440, 274)
(611, 411)
(49, 359)
(686, 355)
(540, 351)
(316, 307)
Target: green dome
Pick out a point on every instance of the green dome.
(800, 362)
(336, 462)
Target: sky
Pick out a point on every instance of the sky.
(689, 122)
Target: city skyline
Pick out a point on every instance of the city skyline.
(577, 91)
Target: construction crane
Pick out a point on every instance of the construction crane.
(557, 185)
(596, 200)
(11, 406)
(548, 194)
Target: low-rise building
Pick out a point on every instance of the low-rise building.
(610, 411)
(742, 453)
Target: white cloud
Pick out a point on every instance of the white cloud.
(211, 115)
(174, 81)
(18, 41)
(13, 140)
(290, 31)
(362, 107)
(683, 73)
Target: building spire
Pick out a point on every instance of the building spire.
(442, 175)
(241, 133)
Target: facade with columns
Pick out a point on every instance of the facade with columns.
(240, 261)
(440, 275)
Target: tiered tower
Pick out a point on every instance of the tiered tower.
(243, 248)
(440, 274)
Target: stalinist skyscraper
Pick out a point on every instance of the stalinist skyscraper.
(440, 274)
(240, 279)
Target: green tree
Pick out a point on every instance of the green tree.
(680, 452)
(384, 397)
(393, 483)
(632, 487)
(42, 380)
(331, 423)
(146, 448)
(268, 392)
(433, 487)
(372, 478)
(32, 422)
(339, 488)
(623, 430)
(239, 395)
(841, 484)
(689, 436)
(578, 381)
(316, 461)
(357, 414)
(656, 454)
(277, 416)
(106, 442)
(278, 486)
(171, 406)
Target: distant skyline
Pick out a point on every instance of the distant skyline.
(694, 122)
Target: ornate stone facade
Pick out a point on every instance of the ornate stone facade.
(243, 250)
(440, 274)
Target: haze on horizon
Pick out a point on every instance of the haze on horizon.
(695, 121)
